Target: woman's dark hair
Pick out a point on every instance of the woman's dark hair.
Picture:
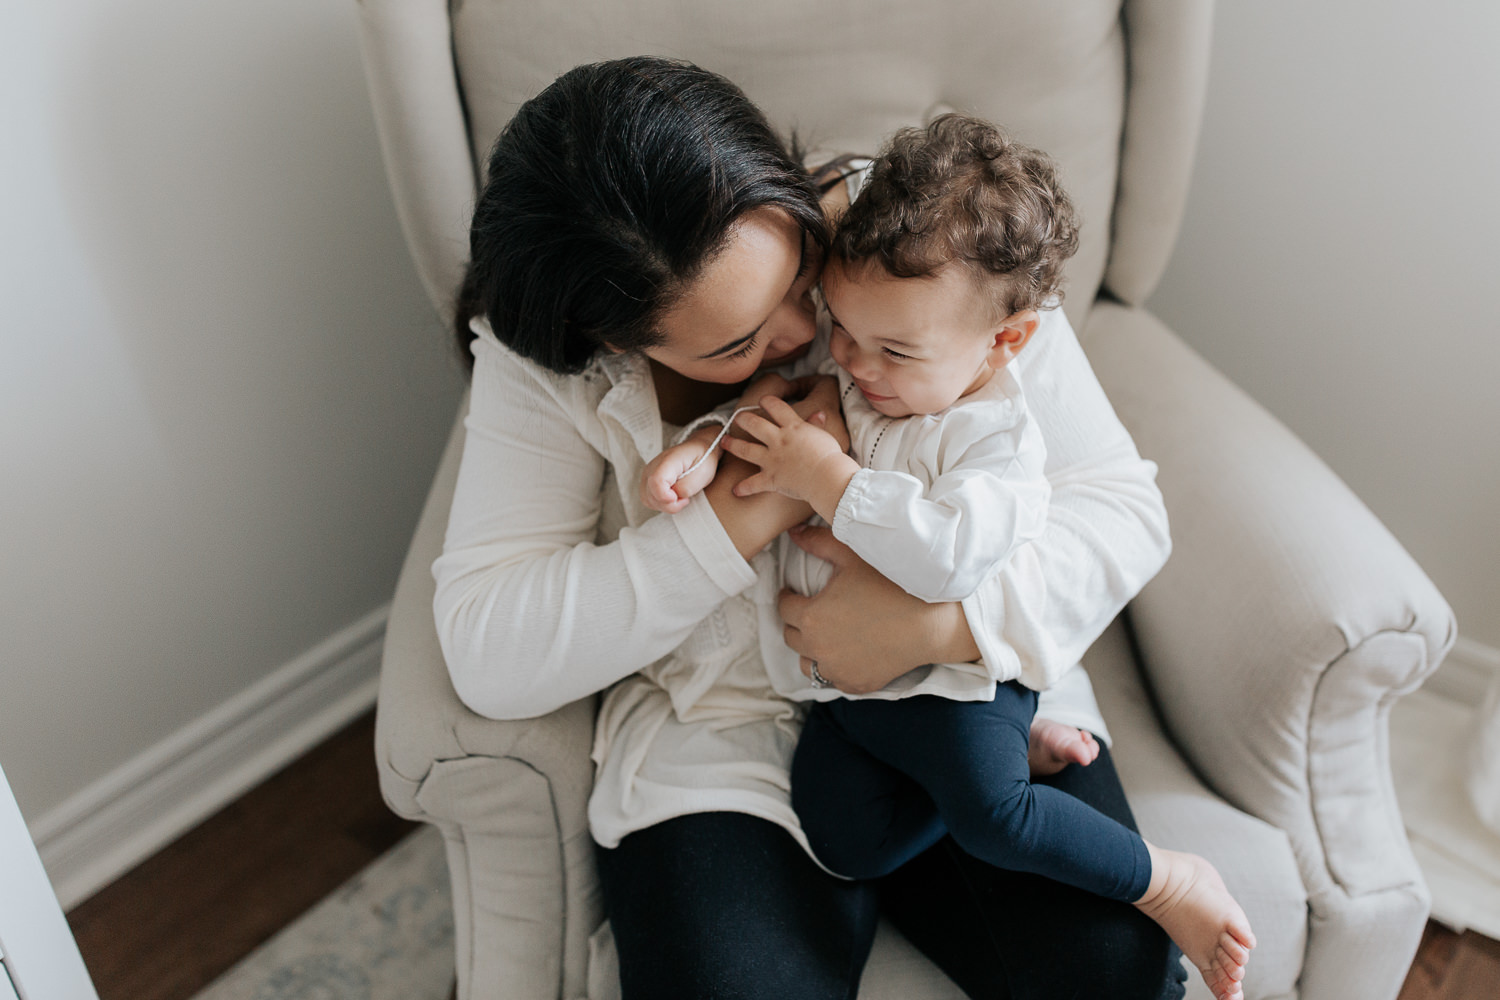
(607, 194)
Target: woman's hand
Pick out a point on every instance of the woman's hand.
(769, 384)
(863, 630)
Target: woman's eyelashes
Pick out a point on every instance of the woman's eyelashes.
(743, 352)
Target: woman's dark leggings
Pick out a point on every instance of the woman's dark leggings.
(727, 906)
(875, 783)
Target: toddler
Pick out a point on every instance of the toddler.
(942, 270)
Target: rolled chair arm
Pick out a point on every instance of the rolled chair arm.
(510, 797)
(1276, 639)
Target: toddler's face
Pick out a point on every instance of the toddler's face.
(912, 345)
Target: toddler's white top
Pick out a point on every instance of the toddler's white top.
(942, 502)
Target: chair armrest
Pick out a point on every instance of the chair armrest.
(1281, 631)
(510, 797)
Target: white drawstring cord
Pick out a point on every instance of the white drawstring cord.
(719, 437)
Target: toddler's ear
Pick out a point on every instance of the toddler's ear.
(1015, 332)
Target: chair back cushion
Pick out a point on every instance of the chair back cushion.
(845, 73)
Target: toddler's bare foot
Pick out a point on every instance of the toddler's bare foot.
(1054, 746)
(1189, 899)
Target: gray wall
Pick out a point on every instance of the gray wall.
(222, 391)
(1339, 258)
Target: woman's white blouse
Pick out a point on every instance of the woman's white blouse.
(555, 582)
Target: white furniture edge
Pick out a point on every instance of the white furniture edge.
(41, 959)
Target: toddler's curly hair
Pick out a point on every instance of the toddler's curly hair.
(962, 190)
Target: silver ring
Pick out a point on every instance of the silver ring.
(818, 680)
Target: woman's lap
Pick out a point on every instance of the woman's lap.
(728, 905)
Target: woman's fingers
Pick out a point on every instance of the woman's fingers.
(765, 385)
(818, 540)
(792, 606)
(758, 483)
(769, 384)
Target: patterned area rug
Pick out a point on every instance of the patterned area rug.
(386, 934)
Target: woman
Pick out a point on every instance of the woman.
(643, 247)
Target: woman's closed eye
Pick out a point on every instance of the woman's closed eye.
(742, 352)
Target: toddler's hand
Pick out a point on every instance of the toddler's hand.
(797, 458)
(661, 487)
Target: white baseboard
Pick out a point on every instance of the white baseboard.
(1467, 673)
(107, 828)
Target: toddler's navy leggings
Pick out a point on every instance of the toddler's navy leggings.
(876, 782)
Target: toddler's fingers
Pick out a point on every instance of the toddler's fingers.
(662, 506)
(780, 410)
(755, 425)
(750, 451)
(661, 488)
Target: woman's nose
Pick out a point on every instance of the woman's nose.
(790, 327)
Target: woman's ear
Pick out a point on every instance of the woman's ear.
(1015, 333)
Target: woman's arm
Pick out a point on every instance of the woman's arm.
(531, 613)
(1106, 535)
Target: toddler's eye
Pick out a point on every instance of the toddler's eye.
(896, 354)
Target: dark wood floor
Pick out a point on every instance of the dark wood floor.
(185, 915)
(1453, 966)
(170, 926)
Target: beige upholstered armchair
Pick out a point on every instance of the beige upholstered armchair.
(1249, 714)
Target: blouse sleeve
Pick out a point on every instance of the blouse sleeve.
(530, 612)
(1106, 533)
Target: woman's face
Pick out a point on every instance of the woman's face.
(749, 308)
